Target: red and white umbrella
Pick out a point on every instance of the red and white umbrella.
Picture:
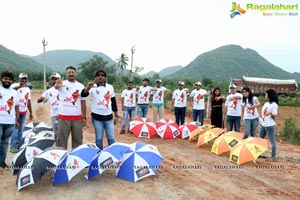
(167, 129)
(186, 129)
(143, 127)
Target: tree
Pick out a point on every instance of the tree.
(122, 62)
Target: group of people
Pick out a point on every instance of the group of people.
(238, 106)
(68, 108)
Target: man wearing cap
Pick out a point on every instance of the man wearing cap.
(24, 98)
(179, 99)
(233, 109)
(197, 102)
(71, 110)
(143, 98)
(9, 113)
(158, 100)
(51, 95)
(128, 104)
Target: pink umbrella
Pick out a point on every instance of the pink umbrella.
(186, 128)
(167, 129)
(143, 127)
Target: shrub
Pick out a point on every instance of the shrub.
(290, 131)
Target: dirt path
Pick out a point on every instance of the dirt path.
(187, 172)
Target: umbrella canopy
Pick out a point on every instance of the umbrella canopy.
(35, 127)
(73, 162)
(167, 129)
(23, 156)
(186, 129)
(200, 130)
(143, 127)
(209, 135)
(29, 138)
(248, 150)
(107, 158)
(28, 151)
(38, 166)
(226, 141)
(140, 161)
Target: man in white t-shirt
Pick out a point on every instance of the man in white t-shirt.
(233, 108)
(51, 95)
(24, 97)
(71, 110)
(143, 98)
(179, 99)
(158, 100)
(9, 114)
(128, 103)
(103, 105)
(197, 102)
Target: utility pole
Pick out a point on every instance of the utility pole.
(44, 47)
(132, 52)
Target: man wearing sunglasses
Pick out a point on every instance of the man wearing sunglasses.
(71, 110)
(103, 105)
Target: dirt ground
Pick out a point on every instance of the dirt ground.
(186, 172)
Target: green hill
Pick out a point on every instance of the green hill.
(230, 61)
(13, 61)
(169, 70)
(58, 60)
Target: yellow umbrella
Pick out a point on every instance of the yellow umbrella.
(248, 150)
(209, 135)
(226, 141)
(195, 133)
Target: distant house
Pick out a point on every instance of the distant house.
(259, 86)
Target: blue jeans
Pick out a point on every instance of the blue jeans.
(100, 127)
(270, 130)
(128, 111)
(179, 115)
(6, 131)
(199, 113)
(142, 110)
(250, 126)
(16, 136)
(233, 121)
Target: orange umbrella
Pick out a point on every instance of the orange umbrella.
(226, 141)
(248, 150)
(209, 135)
(195, 133)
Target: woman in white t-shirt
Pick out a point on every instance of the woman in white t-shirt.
(251, 118)
(269, 112)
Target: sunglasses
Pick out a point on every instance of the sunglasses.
(103, 75)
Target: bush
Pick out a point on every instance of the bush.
(290, 131)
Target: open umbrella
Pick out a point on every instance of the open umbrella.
(248, 150)
(107, 158)
(209, 135)
(226, 141)
(73, 162)
(167, 129)
(35, 127)
(27, 152)
(140, 161)
(143, 127)
(197, 132)
(29, 138)
(186, 129)
(38, 166)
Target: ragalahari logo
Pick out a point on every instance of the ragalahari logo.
(236, 10)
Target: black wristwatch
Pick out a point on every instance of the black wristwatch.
(18, 120)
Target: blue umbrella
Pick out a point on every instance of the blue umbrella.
(140, 161)
(73, 162)
(107, 158)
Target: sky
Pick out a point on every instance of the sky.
(164, 32)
